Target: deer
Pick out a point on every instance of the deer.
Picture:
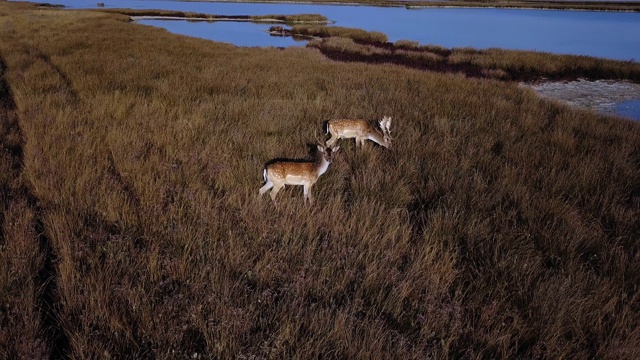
(359, 129)
(278, 173)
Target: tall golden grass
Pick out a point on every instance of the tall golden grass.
(500, 225)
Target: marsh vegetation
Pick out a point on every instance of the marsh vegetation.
(286, 19)
(500, 224)
(347, 44)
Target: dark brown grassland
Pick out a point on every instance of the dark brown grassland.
(500, 225)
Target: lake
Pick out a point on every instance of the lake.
(605, 34)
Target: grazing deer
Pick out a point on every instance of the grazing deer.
(289, 172)
(359, 129)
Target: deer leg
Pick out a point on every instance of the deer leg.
(274, 192)
(307, 194)
(266, 187)
(331, 141)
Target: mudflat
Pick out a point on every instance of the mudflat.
(600, 95)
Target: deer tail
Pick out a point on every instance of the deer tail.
(325, 127)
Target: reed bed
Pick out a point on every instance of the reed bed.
(500, 225)
(286, 19)
(321, 31)
(499, 64)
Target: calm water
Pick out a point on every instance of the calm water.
(237, 33)
(602, 34)
(629, 109)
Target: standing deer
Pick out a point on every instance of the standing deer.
(359, 129)
(305, 173)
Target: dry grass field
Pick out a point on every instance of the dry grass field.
(500, 225)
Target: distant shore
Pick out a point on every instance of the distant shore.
(630, 6)
(594, 5)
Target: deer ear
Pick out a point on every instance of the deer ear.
(321, 148)
(335, 148)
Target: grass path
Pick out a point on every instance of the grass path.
(26, 249)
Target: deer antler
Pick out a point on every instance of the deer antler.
(318, 139)
(385, 124)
